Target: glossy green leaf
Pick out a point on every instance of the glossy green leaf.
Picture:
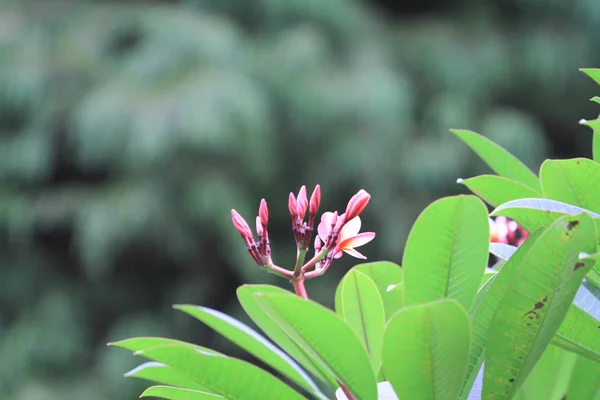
(595, 99)
(276, 333)
(585, 380)
(485, 305)
(575, 181)
(228, 377)
(447, 251)
(496, 190)
(175, 393)
(532, 214)
(251, 341)
(549, 380)
(394, 300)
(425, 350)
(145, 343)
(358, 302)
(535, 303)
(595, 126)
(385, 274)
(580, 331)
(325, 338)
(165, 375)
(498, 158)
(593, 73)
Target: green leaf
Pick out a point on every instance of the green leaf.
(325, 338)
(498, 158)
(276, 333)
(174, 393)
(585, 380)
(496, 190)
(447, 251)
(535, 303)
(145, 343)
(580, 332)
(593, 73)
(485, 305)
(595, 126)
(251, 341)
(229, 377)
(532, 214)
(394, 300)
(573, 181)
(550, 378)
(425, 350)
(595, 99)
(358, 302)
(163, 374)
(385, 274)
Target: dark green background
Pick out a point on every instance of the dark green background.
(128, 130)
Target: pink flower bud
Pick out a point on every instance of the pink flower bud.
(241, 225)
(318, 244)
(292, 205)
(357, 204)
(315, 200)
(259, 228)
(263, 213)
(301, 202)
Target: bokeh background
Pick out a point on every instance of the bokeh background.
(129, 129)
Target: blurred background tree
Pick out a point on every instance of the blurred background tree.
(129, 129)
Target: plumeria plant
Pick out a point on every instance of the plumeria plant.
(444, 325)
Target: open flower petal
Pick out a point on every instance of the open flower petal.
(324, 227)
(356, 241)
(350, 228)
(354, 253)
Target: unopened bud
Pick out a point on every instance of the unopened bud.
(357, 204)
(241, 225)
(301, 202)
(263, 213)
(318, 244)
(259, 228)
(292, 206)
(315, 201)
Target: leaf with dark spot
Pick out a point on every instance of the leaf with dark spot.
(578, 265)
(572, 224)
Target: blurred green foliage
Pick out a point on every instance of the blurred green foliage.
(128, 130)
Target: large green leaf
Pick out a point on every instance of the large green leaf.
(535, 303)
(575, 181)
(496, 190)
(447, 251)
(165, 375)
(532, 214)
(252, 342)
(425, 350)
(145, 343)
(385, 274)
(485, 305)
(585, 380)
(276, 333)
(358, 302)
(324, 336)
(550, 378)
(175, 393)
(228, 377)
(593, 73)
(579, 333)
(595, 126)
(498, 158)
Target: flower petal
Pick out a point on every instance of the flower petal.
(324, 227)
(350, 228)
(356, 241)
(338, 254)
(354, 253)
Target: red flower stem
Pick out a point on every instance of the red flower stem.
(299, 287)
(284, 273)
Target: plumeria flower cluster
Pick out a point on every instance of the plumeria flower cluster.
(507, 231)
(336, 234)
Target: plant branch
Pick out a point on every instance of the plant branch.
(318, 257)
